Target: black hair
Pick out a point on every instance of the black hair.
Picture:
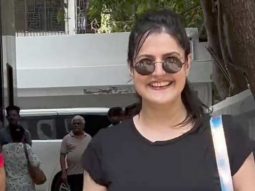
(17, 133)
(12, 108)
(132, 109)
(168, 22)
(114, 111)
(156, 22)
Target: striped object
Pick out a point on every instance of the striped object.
(221, 153)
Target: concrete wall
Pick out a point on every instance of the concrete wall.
(85, 65)
(73, 97)
(84, 60)
(72, 60)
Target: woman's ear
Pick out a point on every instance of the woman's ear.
(188, 64)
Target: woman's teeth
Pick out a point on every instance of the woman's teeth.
(160, 84)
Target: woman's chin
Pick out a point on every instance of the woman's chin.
(162, 100)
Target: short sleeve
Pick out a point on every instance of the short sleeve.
(1, 161)
(63, 148)
(238, 142)
(33, 158)
(92, 161)
(28, 139)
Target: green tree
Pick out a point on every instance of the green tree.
(230, 26)
(118, 16)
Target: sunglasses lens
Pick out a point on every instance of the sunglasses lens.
(172, 65)
(145, 67)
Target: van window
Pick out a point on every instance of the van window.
(56, 127)
(40, 127)
(94, 122)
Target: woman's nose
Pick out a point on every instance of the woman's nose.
(159, 69)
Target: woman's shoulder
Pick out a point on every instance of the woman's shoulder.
(238, 142)
(15, 146)
(231, 124)
(236, 132)
(12, 145)
(114, 132)
(235, 129)
(116, 129)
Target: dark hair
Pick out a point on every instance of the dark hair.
(17, 133)
(115, 111)
(11, 108)
(156, 22)
(132, 109)
(168, 22)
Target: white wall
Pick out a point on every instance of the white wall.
(83, 60)
(71, 50)
(72, 60)
(55, 70)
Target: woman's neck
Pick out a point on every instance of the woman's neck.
(160, 123)
(163, 116)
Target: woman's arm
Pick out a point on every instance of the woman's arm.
(90, 185)
(2, 174)
(244, 178)
(2, 179)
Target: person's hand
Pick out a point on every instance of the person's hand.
(64, 178)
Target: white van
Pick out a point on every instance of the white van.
(48, 127)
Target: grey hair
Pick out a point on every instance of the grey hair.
(78, 117)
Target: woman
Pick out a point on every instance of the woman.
(2, 173)
(16, 164)
(168, 144)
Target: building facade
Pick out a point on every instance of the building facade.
(50, 16)
(8, 79)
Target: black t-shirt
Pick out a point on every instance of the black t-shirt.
(121, 159)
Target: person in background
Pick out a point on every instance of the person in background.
(16, 164)
(168, 144)
(2, 174)
(115, 115)
(131, 110)
(72, 147)
(13, 118)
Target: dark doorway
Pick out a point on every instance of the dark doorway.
(10, 84)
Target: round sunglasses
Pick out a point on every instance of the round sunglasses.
(147, 66)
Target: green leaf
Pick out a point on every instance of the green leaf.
(123, 12)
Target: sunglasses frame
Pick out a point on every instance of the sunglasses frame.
(154, 67)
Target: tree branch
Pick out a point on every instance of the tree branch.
(190, 9)
(223, 46)
(219, 62)
(220, 75)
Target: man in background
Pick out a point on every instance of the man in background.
(131, 110)
(115, 115)
(13, 118)
(72, 147)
